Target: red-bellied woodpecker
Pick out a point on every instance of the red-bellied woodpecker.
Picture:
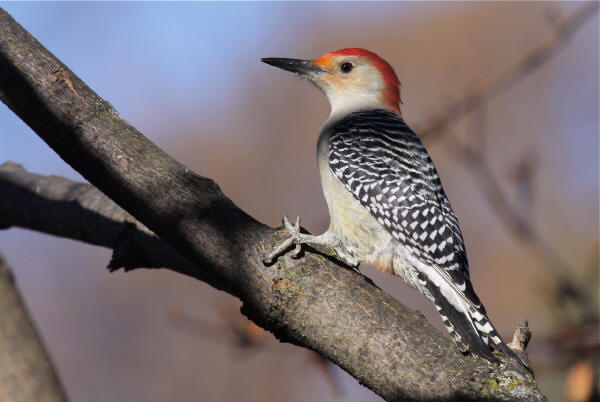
(386, 202)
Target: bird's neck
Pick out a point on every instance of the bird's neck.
(346, 102)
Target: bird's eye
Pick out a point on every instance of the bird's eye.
(346, 67)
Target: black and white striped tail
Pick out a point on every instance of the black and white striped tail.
(468, 324)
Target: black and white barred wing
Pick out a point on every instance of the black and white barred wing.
(386, 167)
(378, 158)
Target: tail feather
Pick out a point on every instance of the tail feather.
(493, 338)
(468, 333)
(467, 323)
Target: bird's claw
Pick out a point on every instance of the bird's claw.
(297, 239)
(293, 239)
(294, 231)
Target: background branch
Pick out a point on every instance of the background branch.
(475, 162)
(79, 211)
(26, 371)
(530, 63)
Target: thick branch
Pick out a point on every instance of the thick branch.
(310, 302)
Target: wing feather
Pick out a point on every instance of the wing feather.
(383, 163)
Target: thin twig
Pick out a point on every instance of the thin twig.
(475, 163)
(528, 65)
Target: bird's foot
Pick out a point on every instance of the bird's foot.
(296, 238)
(322, 243)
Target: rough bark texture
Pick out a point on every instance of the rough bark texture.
(26, 373)
(311, 302)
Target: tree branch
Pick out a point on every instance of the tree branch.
(475, 162)
(526, 66)
(55, 205)
(26, 370)
(310, 302)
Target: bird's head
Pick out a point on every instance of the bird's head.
(352, 79)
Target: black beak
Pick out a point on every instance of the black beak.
(304, 67)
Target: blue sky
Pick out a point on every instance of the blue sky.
(123, 50)
(126, 51)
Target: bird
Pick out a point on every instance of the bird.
(386, 202)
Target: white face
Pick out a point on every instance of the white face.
(350, 83)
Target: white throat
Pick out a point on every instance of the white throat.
(348, 101)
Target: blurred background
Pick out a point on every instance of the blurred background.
(519, 161)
